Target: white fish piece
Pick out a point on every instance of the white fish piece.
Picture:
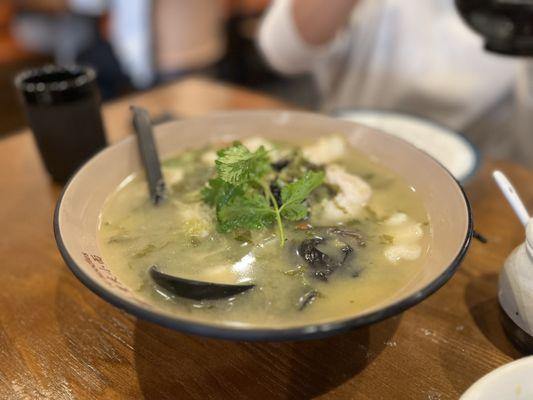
(398, 252)
(209, 157)
(354, 193)
(172, 176)
(197, 219)
(240, 272)
(255, 142)
(252, 143)
(403, 228)
(326, 150)
(406, 234)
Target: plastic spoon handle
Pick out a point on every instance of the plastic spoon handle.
(145, 140)
(512, 197)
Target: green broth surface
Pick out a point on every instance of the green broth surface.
(180, 237)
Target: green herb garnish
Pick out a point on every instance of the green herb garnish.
(237, 164)
(294, 194)
(241, 193)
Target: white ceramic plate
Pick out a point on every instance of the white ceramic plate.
(449, 148)
(513, 381)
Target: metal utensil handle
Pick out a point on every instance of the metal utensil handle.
(148, 151)
(512, 196)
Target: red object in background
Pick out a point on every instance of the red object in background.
(10, 50)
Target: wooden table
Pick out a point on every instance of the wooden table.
(60, 341)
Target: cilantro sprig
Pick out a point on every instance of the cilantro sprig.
(237, 164)
(241, 194)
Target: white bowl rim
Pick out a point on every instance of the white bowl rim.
(494, 374)
(260, 334)
(345, 113)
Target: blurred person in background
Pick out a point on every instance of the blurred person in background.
(71, 31)
(44, 27)
(416, 57)
(146, 41)
(188, 37)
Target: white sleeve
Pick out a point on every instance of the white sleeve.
(281, 43)
(131, 38)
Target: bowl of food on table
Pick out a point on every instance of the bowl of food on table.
(314, 225)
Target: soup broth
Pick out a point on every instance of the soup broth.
(372, 251)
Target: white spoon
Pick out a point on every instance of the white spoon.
(512, 196)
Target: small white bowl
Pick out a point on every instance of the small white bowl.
(449, 148)
(513, 381)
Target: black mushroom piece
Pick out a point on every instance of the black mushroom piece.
(322, 258)
(354, 235)
(307, 298)
(276, 192)
(322, 265)
(281, 164)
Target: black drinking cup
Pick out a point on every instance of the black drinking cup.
(62, 106)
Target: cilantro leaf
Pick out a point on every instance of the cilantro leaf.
(295, 212)
(251, 211)
(242, 196)
(294, 194)
(217, 193)
(237, 164)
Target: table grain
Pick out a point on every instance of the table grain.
(60, 341)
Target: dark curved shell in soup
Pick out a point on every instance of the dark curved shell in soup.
(325, 271)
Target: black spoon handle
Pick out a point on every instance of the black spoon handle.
(145, 140)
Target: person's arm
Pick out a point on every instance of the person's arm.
(318, 21)
(295, 32)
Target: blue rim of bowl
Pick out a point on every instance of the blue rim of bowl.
(344, 112)
(252, 334)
